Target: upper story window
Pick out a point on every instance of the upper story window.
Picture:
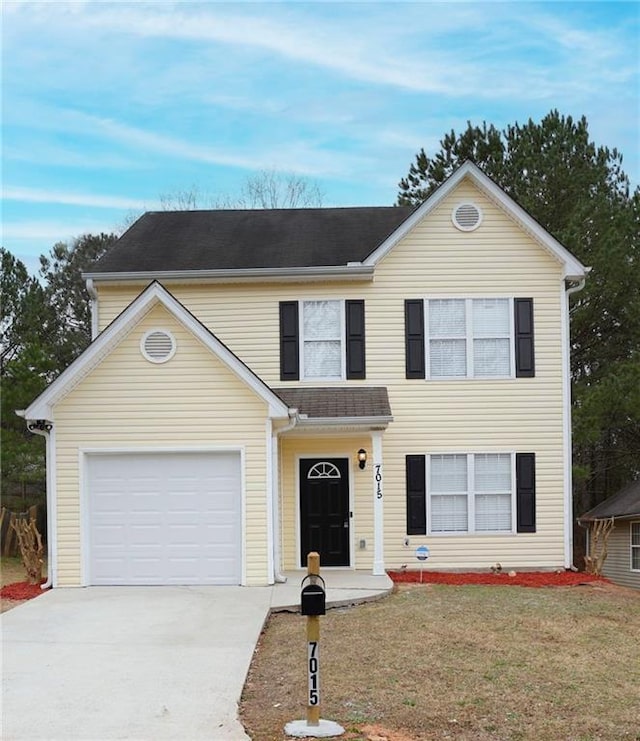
(450, 338)
(322, 340)
(322, 345)
(469, 338)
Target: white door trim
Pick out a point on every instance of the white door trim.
(318, 456)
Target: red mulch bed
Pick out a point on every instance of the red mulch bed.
(521, 579)
(21, 590)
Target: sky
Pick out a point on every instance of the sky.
(109, 106)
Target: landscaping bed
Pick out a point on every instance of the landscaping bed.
(519, 579)
(14, 589)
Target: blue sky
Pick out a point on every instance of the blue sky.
(109, 105)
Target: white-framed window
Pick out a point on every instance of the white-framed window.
(471, 492)
(322, 346)
(469, 338)
(634, 532)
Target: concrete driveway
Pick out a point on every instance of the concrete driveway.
(129, 662)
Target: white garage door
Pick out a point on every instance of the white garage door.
(164, 518)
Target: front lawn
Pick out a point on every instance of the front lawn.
(464, 663)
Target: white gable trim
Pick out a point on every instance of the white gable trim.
(155, 294)
(573, 268)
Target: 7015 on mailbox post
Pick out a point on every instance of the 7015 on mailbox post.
(313, 605)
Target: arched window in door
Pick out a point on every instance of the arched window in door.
(323, 470)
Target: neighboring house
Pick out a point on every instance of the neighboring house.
(622, 564)
(244, 362)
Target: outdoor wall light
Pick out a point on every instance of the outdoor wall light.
(362, 457)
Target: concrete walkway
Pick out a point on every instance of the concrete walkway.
(144, 663)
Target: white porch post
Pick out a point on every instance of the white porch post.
(378, 514)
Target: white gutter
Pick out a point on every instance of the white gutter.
(278, 576)
(566, 422)
(375, 422)
(353, 271)
(49, 436)
(94, 307)
(270, 497)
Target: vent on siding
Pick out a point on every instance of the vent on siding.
(158, 346)
(466, 217)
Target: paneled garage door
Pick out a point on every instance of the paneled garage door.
(164, 518)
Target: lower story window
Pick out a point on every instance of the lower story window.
(470, 493)
(635, 546)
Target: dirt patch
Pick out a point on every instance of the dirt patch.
(470, 663)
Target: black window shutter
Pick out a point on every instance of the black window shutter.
(414, 337)
(354, 311)
(526, 492)
(289, 350)
(525, 359)
(416, 495)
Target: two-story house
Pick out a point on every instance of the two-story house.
(357, 381)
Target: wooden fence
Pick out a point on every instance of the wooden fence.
(8, 539)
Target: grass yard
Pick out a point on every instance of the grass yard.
(464, 663)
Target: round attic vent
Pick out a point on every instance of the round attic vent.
(158, 346)
(466, 217)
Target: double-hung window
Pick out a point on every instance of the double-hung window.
(470, 493)
(635, 546)
(322, 343)
(469, 338)
(322, 340)
(455, 338)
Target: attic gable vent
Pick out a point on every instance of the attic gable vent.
(466, 217)
(158, 346)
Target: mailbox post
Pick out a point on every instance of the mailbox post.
(314, 602)
(312, 605)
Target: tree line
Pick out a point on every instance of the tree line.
(576, 190)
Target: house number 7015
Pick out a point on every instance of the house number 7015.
(378, 481)
(314, 673)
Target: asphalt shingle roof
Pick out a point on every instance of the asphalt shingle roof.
(334, 403)
(245, 239)
(626, 503)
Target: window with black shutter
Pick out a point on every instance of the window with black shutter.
(354, 315)
(289, 341)
(414, 337)
(523, 325)
(416, 495)
(526, 492)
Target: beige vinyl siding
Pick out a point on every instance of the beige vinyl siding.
(193, 401)
(516, 415)
(361, 494)
(617, 565)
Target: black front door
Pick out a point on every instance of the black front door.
(324, 510)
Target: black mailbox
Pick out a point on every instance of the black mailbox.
(313, 598)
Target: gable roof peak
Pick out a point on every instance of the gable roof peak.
(573, 268)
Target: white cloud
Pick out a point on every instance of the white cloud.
(52, 231)
(38, 195)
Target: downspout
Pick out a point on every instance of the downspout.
(91, 290)
(279, 577)
(566, 392)
(45, 428)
